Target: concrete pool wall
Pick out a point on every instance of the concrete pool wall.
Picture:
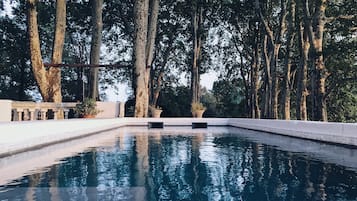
(340, 133)
(16, 137)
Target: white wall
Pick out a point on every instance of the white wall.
(5, 110)
(108, 109)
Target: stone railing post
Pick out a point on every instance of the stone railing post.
(122, 109)
(32, 114)
(29, 110)
(19, 113)
(43, 113)
(66, 107)
(66, 112)
(25, 110)
(27, 114)
(55, 113)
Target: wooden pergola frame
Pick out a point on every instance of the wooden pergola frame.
(87, 65)
(82, 66)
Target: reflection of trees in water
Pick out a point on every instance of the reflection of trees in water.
(34, 181)
(198, 168)
(172, 162)
(106, 166)
(142, 163)
(271, 174)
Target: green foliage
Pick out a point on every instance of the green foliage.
(16, 78)
(340, 53)
(209, 101)
(87, 107)
(231, 31)
(229, 98)
(342, 105)
(175, 101)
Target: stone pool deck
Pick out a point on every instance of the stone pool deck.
(17, 137)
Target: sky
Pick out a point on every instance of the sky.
(7, 8)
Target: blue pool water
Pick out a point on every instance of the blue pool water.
(203, 165)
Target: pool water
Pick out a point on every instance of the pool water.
(203, 165)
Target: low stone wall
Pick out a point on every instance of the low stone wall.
(28, 110)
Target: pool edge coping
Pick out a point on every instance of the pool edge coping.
(336, 133)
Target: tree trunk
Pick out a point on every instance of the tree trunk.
(316, 26)
(150, 46)
(245, 83)
(97, 9)
(288, 56)
(275, 82)
(245, 78)
(38, 68)
(140, 21)
(21, 89)
(54, 74)
(268, 81)
(255, 111)
(156, 87)
(49, 82)
(197, 18)
(301, 94)
(156, 91)
(271, 52)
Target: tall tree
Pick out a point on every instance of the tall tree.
(145, 36)
(150, 46)
(170, 49)
(245, 30)
(97, 21)
(197, 33)
(255, 81)
(340, 58)
(272, 45)
(141, 8)
(288, 60)
(158, 73)
(152, 30)
(302, 92)
(49, 81)
(315, 20)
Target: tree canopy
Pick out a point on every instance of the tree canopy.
(274, 59)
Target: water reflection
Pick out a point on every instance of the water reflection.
(203, 166)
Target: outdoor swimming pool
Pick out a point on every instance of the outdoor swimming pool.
(185, 164)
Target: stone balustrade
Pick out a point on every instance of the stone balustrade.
(28, 110)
